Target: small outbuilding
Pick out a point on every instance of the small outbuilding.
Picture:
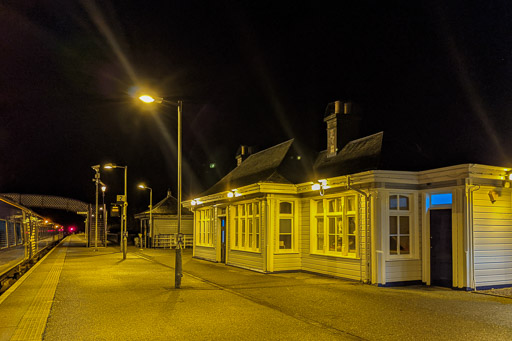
(351, 214)
(162, 232)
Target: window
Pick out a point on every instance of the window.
(335, 226)
(204, 227)
(246, 232)
(286, 226)
(399, 225)
(441, 199)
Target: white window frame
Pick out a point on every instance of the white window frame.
(289, 216)
(204, 227)
(339, 214)
(246, 222)
(413, 224)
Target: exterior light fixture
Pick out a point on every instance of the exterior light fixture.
(234, 193)
(150, 99)
(124, 199)
(196, 202)
(142, 186)
(320, 186)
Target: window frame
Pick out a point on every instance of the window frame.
(246, 222)
(293, 217)
(204, 227)
(413, 225)
(343, 215)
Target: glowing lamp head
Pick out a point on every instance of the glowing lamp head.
(231, 194)
(146, 99)
(141, 186)
(315, 187)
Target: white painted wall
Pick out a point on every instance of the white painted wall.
(492, 237)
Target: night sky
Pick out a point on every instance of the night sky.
(437, 74)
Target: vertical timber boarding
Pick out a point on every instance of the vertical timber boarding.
(492, 237)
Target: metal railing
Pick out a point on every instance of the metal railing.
(170, 240)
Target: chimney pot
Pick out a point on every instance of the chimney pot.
(337, 107)
(242, 154)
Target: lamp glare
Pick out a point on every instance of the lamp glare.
(146, 99)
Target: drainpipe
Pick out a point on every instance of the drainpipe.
(367, 197)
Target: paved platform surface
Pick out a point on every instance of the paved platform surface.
(77, 293)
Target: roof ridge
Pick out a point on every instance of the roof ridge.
(274, 146)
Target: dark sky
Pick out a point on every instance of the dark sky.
(435, 73)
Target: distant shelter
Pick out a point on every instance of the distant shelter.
(162, 232)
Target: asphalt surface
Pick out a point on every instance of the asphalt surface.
(99, 296)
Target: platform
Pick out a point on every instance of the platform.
(76, 293)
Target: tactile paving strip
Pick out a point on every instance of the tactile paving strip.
(33, 323)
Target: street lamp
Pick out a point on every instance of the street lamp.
(96, 179)
(103, 189)
(124, 199)
(142, 186)
(179, 245)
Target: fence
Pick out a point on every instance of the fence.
(170, 240)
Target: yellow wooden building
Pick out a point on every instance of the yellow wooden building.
(356, 219)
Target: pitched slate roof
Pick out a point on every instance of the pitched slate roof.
(263, 166)
(167, 206)
(357, 156)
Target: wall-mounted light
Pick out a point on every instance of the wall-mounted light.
(493, 196)
(321, 186)
(234, 193)
(195, 202)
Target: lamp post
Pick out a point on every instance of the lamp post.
(97, 181)
(124, 199)
(142, 186)
(179, 245)
(104, 215)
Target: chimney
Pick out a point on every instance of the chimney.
(242, 153)
(342, 125)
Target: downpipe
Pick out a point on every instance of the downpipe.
(367, 197)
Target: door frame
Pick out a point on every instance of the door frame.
(218, 232)
(426, 209)
(221, 230)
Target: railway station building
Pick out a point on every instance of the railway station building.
(354, 213)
